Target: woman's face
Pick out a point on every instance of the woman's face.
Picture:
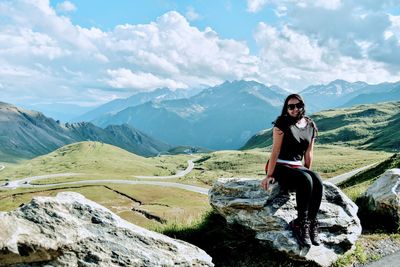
(294, 107)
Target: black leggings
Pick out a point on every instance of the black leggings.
(308, 187)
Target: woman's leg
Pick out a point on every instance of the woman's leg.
(316, 197)
(293, 178)
(313, 209)
(301, 182)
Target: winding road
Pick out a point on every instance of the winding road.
(26, 182)
(178, 175)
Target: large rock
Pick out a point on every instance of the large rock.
(69, 230)
(268, 213)
(382, 200)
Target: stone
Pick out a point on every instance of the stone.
(381, 201)
(268, 213)
(70, 230)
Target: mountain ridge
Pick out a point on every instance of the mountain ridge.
(27, 133)
(220, 117)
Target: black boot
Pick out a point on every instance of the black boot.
(314, 230)
(301, 230)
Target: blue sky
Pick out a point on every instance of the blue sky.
(229, 18)
(90, 52)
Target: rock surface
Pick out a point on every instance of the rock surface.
(268, 213)
(382, 199)
(70, 230)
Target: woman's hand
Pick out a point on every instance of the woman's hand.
(266, 181)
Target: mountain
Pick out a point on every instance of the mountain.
(371, 126)
(220, 117)
(376, 93)
(26, 134)
(333, 94)
(340, 93)
(117, 105)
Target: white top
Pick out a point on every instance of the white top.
(301, 123)
(291, 162)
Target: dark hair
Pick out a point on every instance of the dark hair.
(286, 120)
(302, 112)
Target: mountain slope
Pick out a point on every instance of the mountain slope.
(372, 126)
(26, 134)
(221, 117)
(117, 105)
(375, 94)
(94, 158)
(333, 94)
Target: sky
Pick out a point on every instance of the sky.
(90, 52)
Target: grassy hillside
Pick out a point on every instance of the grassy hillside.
(360, 182)
(372, 126)
(328, 160)
(97, 159)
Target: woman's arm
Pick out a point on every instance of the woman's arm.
(308, 155)
(277, 138)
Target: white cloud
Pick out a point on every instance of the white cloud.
(124, 78)
(254, 6)
(327, 4)
(45, 55)
(66, 6)
(63, 58)
(295, 60)
(191, 14)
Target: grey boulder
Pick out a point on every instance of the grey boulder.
(268, 213)
(70, 230)
(381, 201)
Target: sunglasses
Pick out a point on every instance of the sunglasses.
(297, 105)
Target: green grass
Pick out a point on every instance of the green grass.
(329, 161)
(358, 255)
(173, 206)
(174, 212)
(96, 159)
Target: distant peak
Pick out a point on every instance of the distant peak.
(339, 81)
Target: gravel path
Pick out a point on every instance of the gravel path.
(387, 249)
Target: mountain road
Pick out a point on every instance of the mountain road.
(26, 182)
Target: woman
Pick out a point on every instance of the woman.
(293, 140)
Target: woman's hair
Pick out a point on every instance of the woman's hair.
(301, 113)
(284, 120)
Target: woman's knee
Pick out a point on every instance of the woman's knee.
(305, 180)
(317, 180)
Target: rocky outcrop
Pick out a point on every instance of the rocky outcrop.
(70, 230)
(268, 213)
(382, 200)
